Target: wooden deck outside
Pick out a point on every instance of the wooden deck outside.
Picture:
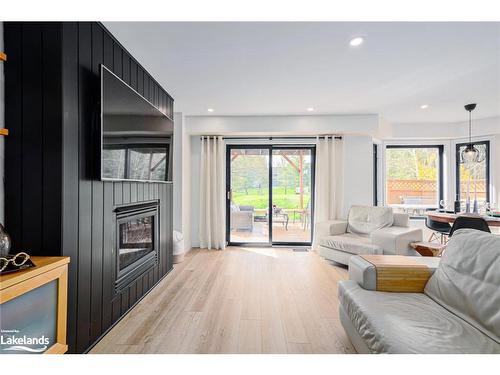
(260, 233)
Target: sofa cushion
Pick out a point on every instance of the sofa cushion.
(396, 240)
(246, 208)
(409, 323)
(365, 219)
(467, 281)
(350, 243)
(401, 220)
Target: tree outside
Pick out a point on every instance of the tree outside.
(412, 175)
(412, 163)
(249, 180)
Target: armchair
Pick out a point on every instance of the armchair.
(368, 230)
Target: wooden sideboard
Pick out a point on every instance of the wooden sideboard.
(33, 304)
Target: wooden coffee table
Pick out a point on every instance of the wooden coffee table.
(428, 249)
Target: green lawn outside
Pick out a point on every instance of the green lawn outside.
(259, 199)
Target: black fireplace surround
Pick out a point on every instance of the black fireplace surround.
(54, 204)
(136, 247)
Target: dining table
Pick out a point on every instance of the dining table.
(446, 217)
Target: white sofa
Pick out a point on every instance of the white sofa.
(457, 312)
(367, 230)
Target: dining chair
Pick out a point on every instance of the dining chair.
(477, 223)
(439, 230)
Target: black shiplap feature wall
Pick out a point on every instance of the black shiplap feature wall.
(55, 205)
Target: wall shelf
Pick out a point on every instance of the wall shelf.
(4, 131)
(3, 56)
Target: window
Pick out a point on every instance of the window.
(414, 178)
(474, 178)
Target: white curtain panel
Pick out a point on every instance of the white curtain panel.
(212, 194)
(326, 200)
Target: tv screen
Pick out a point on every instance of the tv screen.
(136, 137)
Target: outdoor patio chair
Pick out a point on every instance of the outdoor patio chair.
(242, 218)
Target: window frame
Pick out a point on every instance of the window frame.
(440, 149)
(487, 160)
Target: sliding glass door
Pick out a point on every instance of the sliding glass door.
(247, 181)
(291, 195)
(269, 194)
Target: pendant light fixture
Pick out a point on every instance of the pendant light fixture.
(470, 154)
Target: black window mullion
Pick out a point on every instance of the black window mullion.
(270, 194)
(441, 174)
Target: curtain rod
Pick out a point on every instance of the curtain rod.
(271, 138)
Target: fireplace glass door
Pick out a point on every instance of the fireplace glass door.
(136, 240)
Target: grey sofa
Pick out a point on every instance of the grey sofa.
(458, 311)
(242, 218)
(367, 230)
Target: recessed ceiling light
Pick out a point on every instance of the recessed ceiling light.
(310, 109)
(424, 106)
(356, 41)
(210, 110)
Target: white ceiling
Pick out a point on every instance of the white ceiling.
(283, 68)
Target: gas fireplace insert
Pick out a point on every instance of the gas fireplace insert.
(136, 245)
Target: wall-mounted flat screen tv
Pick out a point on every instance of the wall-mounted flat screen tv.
(136, 137)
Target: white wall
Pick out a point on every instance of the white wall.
(358, 172)
(355, 187)
(480, 127)
(283, 125)
(182, 180)
(177, 172)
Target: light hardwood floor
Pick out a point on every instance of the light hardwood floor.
(241, 300)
